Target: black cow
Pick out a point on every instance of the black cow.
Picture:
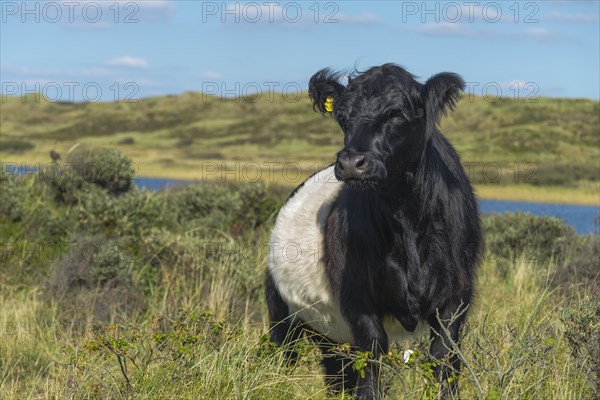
(385, 240)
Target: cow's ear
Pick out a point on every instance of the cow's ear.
(440, 94)
(324, 89)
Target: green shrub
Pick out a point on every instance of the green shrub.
(537, 239)
(162, 248)
(580, 271)
(133, 213)
(202, 209)
(127, 140)
(204, 201)
(13, 191)
(15, 146)
(93, 280)
(33, 230)
(565, 174)
(233, 208)
(88, 172)
(582, 330)
(257, 205)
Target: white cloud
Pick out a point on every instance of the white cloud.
(210, 75)
(574, 17)
(470, 13)
(515, 84)
(444, 29)
(447, 29)
(519, 89)
(128, 61)
(518, 86)
(544, 35)
(365, 18)
(158, 5)
(537, 32)
(88, 72)
(154, 9)
(28, 71)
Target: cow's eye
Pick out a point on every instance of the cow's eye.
(399, 116)
(395, 120)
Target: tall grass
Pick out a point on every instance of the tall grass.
(178, 310)
(513, 347)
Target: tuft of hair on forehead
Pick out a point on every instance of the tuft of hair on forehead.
(377, 80)
(388, 87)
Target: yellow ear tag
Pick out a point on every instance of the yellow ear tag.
(329, 104)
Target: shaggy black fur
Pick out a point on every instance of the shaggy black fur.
(403, 238)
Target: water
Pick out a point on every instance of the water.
(582, 218)
(157, 184)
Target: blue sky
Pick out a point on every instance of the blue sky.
(84, 49)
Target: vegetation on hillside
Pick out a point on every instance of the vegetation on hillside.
(537, 142)
(113, 292)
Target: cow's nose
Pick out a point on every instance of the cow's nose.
(352, 166)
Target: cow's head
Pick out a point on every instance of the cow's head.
(387, 118)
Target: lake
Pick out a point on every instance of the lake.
(582, 218)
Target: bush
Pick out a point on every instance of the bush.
(202, 209)
(127, 140)
(13, 191)
(15, 146)
(234, 208)
(133, 213)
(90, 171)
(205, 201)
(32, 230)
(537, 239)
(257, 206)
(580, 271)
(93, 281)
(582, 330)
(566, 174)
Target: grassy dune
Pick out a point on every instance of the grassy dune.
(545, 150)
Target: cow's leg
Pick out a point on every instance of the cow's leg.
(369, 336)
(339, 374)
(283, 331)
(445, 331)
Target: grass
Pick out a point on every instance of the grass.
(513, 344)
(181, 274)
(546, 150)
(540, 194)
